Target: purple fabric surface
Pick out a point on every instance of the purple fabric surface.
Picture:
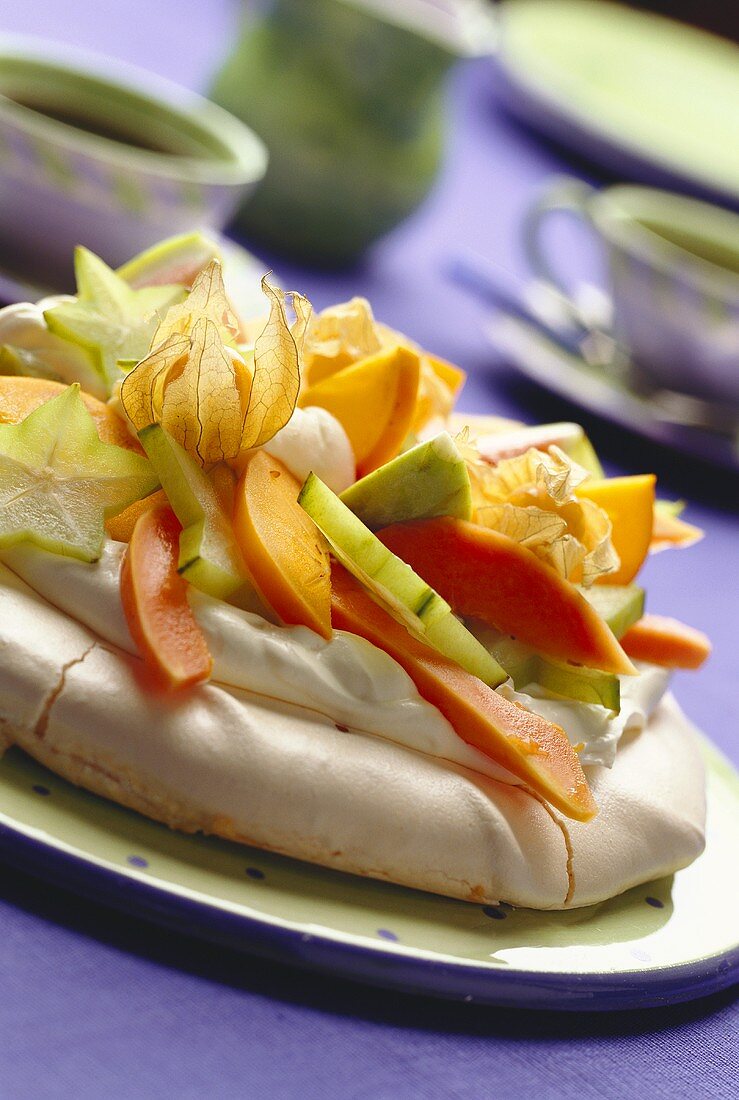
(95, 1003)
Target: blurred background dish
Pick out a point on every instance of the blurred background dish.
(647, 97)
(673, 282)
(347, 95)
(100, 153)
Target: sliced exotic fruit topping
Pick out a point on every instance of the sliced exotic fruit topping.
(508, 442)
(154, 598)
(489, 576)
(285, 553)
(108, 317)
(20, 396)
(629, 504)
(196, 385)
(391, 581)
(665, 641)
(532, 499)
(430, 479)
(375, 400)
(59, 482)
(533, 749)
(669, 530)
(209, 557)
(527, 668)
(619, 605)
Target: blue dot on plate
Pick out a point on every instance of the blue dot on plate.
(254, 872)
(386, 934)
(494, 912)
(39, 789)
(138, 861)
(655, 903)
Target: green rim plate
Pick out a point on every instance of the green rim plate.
(671, 940)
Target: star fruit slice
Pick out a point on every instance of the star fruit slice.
(59, 482)
(109, 318)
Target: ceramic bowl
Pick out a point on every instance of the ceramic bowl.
(99, 153)
(673, 275)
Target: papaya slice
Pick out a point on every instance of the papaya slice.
(285, 553)
(121, 527)
(486, 575)
(154, 598)
(19, 396)
(375, 401)
(629, 504)
(667, 642)
(534, 750)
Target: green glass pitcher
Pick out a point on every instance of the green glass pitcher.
(347, 96)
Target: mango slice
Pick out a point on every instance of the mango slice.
(629, 504)
(375, 400)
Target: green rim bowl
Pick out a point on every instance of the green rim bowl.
(100, 153)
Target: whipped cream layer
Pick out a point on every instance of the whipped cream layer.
(347, 678)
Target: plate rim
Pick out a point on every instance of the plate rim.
(580, 130)
(384, 965)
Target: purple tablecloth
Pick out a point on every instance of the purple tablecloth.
(96, 1004)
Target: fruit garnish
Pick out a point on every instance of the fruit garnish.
(585, 685)
(59, 482)
(28, 348)
(286, 555)
(374, 400)
(535, 750)
(109, 318)
(619, 605)
(665, 641)
(120, 528)
(339, 336)
(20, 396)
(344, 334)
(629, 504)
(486, 575)
(531, 498)
(430, 479)
(391, 581)
(178, 259)
(669, 530)
(508, 441)
(209, 556)
(201, 390)
(154, 598)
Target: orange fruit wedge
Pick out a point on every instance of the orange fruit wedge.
(285, 553)
(121, 527)
(375, 401)
(629, 504)
(154, 598)
(19, 396)
(666, 642)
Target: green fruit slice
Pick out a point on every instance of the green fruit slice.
(585, 685)
(394, 584)
(621, 605)
(109, 318)
(28, 348)
(59, 482)
(174, 260)
(209, 556)
(430, 479)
